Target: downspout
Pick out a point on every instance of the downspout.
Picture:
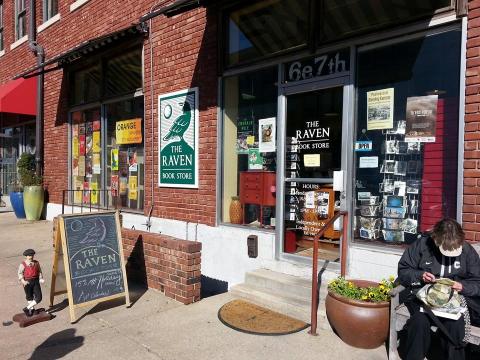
(39, 52)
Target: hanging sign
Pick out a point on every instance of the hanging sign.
(332, 64)
(128, 131)
(363, 146)
(178, 139)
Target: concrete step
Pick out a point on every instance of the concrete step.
(289, 305)
(283, 284)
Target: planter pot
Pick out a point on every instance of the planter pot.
(358, 323)
(16, 199)
(236, 212)
(33, 201)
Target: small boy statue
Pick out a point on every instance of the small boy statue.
(30, 275)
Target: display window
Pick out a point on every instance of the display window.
(406, 146)
(249, 148)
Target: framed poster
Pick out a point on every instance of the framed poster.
(178, 139)
(421, 119)
(266, 135)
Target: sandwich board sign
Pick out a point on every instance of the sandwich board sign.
(93, 261)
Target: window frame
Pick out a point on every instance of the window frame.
(48, 9)
(20, 13)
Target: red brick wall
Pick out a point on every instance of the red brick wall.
(471, 207)
(164, 263)
(184, 53)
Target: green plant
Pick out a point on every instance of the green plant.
(26, 171)
(348, 289)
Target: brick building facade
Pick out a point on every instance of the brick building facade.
(185, 49)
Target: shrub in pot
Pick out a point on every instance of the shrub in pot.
(33, 194)
(359, 311)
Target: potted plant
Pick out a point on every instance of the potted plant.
(359, 311)
(33, 193)
(16, 199)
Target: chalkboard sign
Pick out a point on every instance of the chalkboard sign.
(93, 258)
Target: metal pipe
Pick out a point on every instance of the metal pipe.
(314, 303)
(343, 258)
(39, 52)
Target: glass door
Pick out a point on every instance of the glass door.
(313, 152)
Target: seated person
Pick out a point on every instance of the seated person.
(443, 253)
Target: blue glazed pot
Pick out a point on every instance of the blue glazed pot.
(16, 199)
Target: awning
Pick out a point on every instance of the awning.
(86, 48)
(19, 97)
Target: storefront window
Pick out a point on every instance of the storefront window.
(406, 137)
(125, 154)
(265, 28)
(124, 73)
(249, 148)
(86, 85)
(345, 18)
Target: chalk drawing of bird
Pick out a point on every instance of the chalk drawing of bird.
(96, 234)
(180, 125)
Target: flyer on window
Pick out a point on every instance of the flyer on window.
(255, 159)
(380, 109)
(114, 185)
(96, 142)
(77, 194)
(94, 192)
(132, 160)
(421, 119)
(244, 135)
(96, 164)
(86, 192)
(132, 188)
(81, 166)
(114, 159)
(266, 133)
(123, 185)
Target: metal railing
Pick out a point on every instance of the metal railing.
(101, 196)
(343, 258)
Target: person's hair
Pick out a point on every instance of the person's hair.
(449, 234)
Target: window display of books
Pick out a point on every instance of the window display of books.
(388, 209)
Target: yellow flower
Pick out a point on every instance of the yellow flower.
(391, 278)
(381, 287)
(350, 284)
(371, 294)
(364, 297)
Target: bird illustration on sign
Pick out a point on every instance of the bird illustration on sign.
(181, 124)
(96, 234)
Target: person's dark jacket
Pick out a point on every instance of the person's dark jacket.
(424, 256)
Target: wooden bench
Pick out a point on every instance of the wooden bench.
(399, 315)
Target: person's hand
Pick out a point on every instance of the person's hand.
(24, 282)
(457, 286)
(41, 281)
(428, 277)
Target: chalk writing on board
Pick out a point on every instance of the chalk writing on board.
(94, 257)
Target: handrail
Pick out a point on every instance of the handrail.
(343, 258)
(89, 205)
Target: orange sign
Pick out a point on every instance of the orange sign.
(128, 131)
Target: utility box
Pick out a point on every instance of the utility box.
(252, 244)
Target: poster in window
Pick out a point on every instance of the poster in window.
(132, 160)
(94, 192)
(245, 128)
(123, 163)
(88, 166)
(421, 118)
(78, 187)
(89, 144)
(96, 125)
(114, 185)
(266, 133)
(123, 185)
(380, 109)
(75, 166)
(81, 146)
(81, 166)
(114, 159)
(75, 141)
(178, 137)
(128, 131)
(96, 164)
(86, 192)
(132, 188)
(96, 142)
(255, 159)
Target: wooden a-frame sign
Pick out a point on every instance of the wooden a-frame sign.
(93, 262)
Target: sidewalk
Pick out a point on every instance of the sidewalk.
(155, 327)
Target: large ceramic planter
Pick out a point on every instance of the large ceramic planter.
(33, 201)
(16, 199)
(358, 323)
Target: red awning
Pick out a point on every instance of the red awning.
(19, 97)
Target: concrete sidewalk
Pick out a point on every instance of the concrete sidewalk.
(155, 327)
